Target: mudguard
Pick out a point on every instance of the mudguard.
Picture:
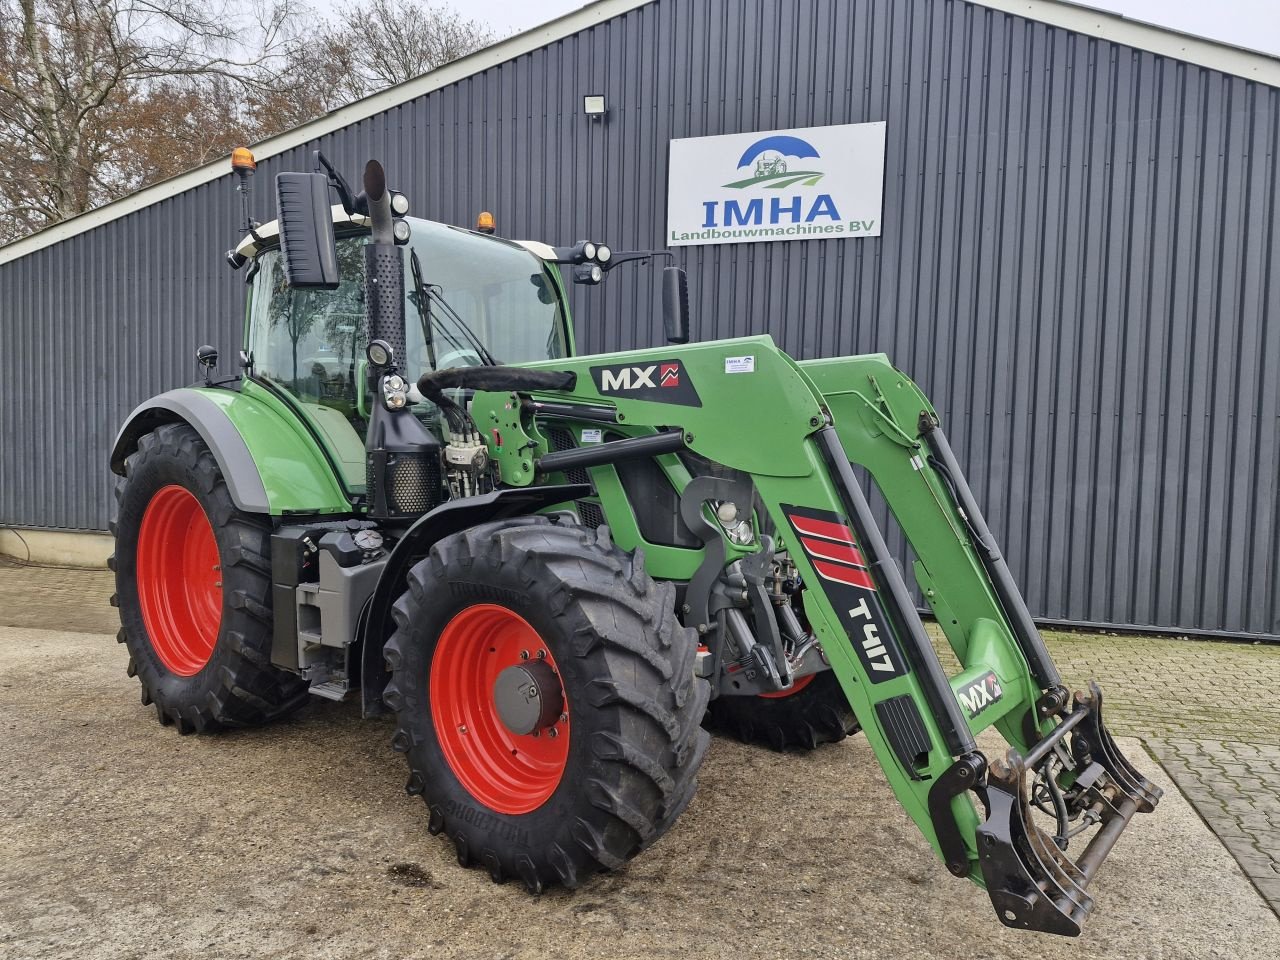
(446, 519)
(271, 463)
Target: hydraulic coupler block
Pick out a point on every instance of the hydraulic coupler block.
(1032, 882)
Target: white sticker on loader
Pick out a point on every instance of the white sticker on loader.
(739, 364)
(592, 436)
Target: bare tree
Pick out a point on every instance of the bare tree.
(101, 97)
(69, 69)
(411, 40)
(376, 45)
(179, 123)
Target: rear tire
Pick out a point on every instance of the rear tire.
(193, 584)
(628, 744)
(817, 713)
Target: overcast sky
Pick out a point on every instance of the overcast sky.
(1246, 23)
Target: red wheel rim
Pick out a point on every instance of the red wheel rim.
(179, 580)
(507, 772)
(791, 691)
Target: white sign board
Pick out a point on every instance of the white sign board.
(816, 183)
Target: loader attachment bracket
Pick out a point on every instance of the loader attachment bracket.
(965, 774)
(697, 493)
(1032, 883)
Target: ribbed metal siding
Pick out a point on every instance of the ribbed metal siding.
(1075, 265)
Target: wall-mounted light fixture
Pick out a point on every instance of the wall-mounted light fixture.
(593, 106)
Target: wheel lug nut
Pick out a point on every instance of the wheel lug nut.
(462, 728)
(564, 718)
(542, 654)
(524, 654)
(553, 733)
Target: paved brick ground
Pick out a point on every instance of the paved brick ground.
(1235, 787)
(1210, 712)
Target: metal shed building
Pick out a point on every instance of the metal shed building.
(1076, 262)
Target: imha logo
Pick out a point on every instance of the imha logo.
(669, 375)
(806, 183)
(776, 162)
(771, 167)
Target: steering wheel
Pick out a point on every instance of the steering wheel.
(462, 357)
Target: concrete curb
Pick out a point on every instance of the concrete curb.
(57, 548)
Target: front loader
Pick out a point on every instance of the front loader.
(553, 570)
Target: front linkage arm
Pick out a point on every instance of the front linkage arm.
(1064, 765)
(807, 423)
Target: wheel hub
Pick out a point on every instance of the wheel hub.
(179, 580)
(499, 708)
(528, 697)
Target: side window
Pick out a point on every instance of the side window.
(309, 344)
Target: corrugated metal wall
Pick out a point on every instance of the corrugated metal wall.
(1075, 265)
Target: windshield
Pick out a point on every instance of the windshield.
(484, 296)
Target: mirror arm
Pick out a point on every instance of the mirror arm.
(352, 203)
(626, 256)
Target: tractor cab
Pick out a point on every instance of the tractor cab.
(470, 299)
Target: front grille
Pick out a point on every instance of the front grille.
(412, 483)
(590, 513)
(562, 439)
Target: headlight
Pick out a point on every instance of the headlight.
(379, 353)
(589, 250)
(738, 531)
(603, 253)
(395, 391)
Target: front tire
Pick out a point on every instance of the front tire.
(193, 584)
(815, 711)
(615, 741)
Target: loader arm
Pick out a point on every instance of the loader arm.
(795, 430)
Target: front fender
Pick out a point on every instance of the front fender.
(269, 461)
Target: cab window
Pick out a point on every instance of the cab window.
(481, 297)
(309, 342)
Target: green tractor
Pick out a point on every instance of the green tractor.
(767, 166)
(554, 570)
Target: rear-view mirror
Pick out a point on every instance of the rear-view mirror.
(306, 231)
(675, 305)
